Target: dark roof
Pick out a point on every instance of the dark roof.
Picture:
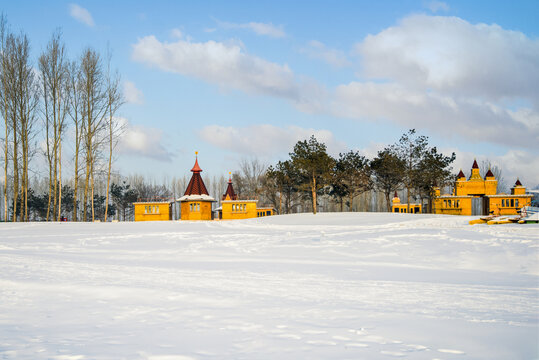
(230, 191)
(489, 174)
(461, 174)
(396, 194)
(196, 185)
(475, 166)
(518, 183)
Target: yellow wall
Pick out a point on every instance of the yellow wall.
(152, 211)
(196, 210)
(403, 208)
(243, 209)
(239, 209)
(508, 205)
(453, 205)
(261, 212)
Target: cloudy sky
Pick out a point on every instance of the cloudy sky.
(236, 80)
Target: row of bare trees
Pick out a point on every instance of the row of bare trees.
(61, 97)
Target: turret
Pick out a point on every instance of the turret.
(518, 188)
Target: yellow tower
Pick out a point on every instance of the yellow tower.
(196, 203)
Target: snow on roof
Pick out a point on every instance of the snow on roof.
(196, 197)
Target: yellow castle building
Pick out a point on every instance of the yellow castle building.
(397, 207)
(233, 208)
(196, 202)
(153, 210)
(477, 196)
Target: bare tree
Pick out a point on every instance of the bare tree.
(21, 86)
(4, 101)
(53, 68)
(252, 172)
(115, 126)
(75, 110)
(94, 107)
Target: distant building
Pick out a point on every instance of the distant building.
(196, 203)
(477, 196)
(153, 210)
(232, 208)
(397, 207)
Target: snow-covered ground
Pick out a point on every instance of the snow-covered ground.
(330, 286)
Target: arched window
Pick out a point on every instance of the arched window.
(503, 202)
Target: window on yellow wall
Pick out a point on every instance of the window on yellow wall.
(503, 202)
(458, 203)
(512, 202)
(516, 202)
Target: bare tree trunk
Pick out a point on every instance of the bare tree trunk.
(313, 189)
(92, 197)
(60, 179)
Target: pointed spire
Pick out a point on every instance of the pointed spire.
(196, 184)
(489, 173)
(396, 194)
(518, 183)
(475, 166)
(196, 168)
(461, 174)
(230, 189)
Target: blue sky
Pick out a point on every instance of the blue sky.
(236, 80)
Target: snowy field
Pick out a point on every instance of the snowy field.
(330, 286)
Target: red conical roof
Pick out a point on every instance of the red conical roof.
(518, 183)
(230, 191)
(196, 168)
(489, 174)
(396, 194)
(461, 174)
(196, 185)
(475, 166)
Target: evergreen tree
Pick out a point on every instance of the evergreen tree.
(351, 177)
(411, 149)
(388, 170)
(123, 197)
(314, 165)
(433, 170)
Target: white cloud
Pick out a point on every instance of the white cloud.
(266, 29)
(227, 65)
(317, 50)
(132, 94)
(451, 55)
(144, 141)
(176, 33)
(265, 139)
(81, 14)
(476, 121)
(436, 6)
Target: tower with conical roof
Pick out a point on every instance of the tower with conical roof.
(230, 194)
(196, 202)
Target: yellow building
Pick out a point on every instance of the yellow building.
(232, 208)
(196, 203)
(153, 210)
(397, 207)
(477, 196)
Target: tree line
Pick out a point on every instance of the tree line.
(47, 98)
(410, 164)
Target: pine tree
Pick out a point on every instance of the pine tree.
(314, 165)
